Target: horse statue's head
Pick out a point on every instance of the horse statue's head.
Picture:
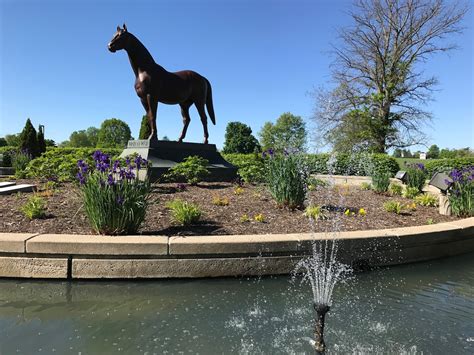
(119, 40)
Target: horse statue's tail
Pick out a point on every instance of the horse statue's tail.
(210, 107)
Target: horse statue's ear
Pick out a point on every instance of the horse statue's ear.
(118, 28)
(125, 27)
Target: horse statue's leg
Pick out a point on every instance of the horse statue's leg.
(186, 119)
(151, 107)
(202, 114)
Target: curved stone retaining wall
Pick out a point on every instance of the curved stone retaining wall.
(55, 256)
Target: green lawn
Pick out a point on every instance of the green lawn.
(402, 161)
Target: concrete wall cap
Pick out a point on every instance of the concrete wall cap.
(97, 244)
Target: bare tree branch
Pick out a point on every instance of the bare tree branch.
(377, 67)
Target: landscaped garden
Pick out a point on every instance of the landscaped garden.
(82, 191)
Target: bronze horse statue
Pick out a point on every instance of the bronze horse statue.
(153, 83)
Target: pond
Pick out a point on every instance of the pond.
(424, 307)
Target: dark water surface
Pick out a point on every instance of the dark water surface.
(421, 308)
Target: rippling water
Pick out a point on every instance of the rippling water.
(421, 308)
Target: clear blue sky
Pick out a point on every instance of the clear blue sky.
(262, 58)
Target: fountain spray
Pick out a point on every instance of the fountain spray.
(322, 271)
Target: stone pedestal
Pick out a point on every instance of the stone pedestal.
(444, 206)
(166, 154)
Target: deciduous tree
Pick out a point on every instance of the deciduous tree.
(378, 67)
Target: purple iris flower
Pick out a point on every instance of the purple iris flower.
(120, 200)
(116, 166)
(110, 180)
(81, 178)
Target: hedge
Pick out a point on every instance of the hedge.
(446, 165)
(61, 163)
(252, 168)
(351, 164)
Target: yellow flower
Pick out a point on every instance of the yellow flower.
(347, 212)
(244, 218)
(239, 190)
(362, 212)
(259, 217)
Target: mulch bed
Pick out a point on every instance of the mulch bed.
(65, 214)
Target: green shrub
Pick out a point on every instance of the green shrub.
(35, 207)
(192, 170)
(416, 176)
(366, 186)
(447, 165)
(351, 164)
(61, 163)
(184, 213)
(6, 155)
(395, 189)
(410, 192)
(20, 161)
(286, 177)
(316, 212)
(461, 194)
(115, 200)
(380, 180)
(251, 167)
(427, 200)
(394, 206)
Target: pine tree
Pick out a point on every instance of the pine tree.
(29, 140)
(145, 130)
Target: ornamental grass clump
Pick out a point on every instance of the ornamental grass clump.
(410, 192)
(461, 194)
(285, 178)
(427, 199)
(183, 212)
(395, 189)
(416, 176)
(115, 200)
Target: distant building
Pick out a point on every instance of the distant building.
(423, 156)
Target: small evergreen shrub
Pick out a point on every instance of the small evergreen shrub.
(115, 200)
(192, 170)
(34, 208)
(286, 177)
(184, 213)
(461, 194)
